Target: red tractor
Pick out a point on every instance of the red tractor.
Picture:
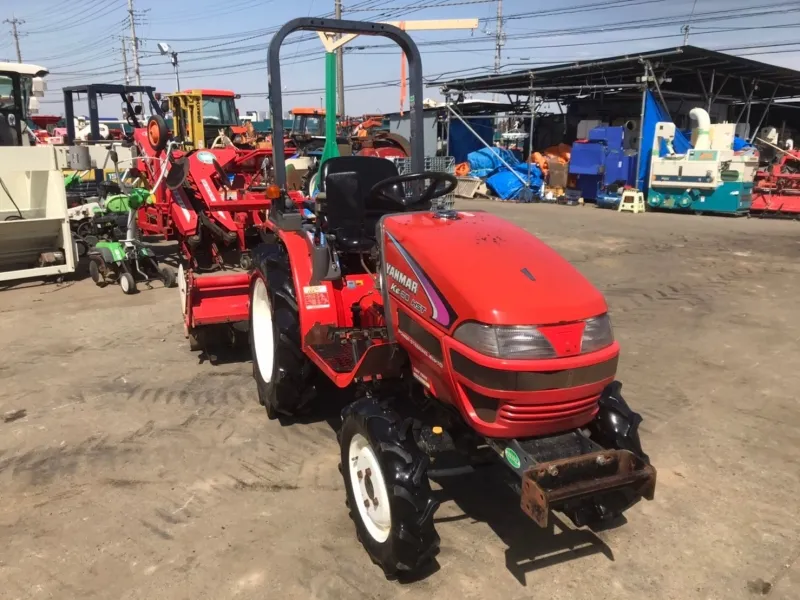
(453, 331)
(214, 203)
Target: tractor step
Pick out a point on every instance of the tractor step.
(344, 347)
(342, 357)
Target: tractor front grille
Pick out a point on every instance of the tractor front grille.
(531, 381)
(497, 410)
(518, 412)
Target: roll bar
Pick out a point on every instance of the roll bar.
(400, 37)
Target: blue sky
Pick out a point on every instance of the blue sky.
(222, 43)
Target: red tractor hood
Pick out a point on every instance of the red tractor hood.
(486, 269)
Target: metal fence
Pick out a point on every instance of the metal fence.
(444, 164)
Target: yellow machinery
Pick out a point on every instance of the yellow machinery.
(207, 119)
(187, 119)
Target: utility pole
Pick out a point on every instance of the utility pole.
(134, 43)
(14, 22)
(173, 57)
(125, 61)
(685, 28)
(339, 66)
(499, 37)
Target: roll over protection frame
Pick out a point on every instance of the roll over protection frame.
(400, 37)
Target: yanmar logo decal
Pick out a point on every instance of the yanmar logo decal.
(402, 278)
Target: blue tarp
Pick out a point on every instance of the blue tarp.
(740, 144)
(485, 164)
(485, 161)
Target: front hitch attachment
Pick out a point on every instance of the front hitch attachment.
(564, 482)
(589, 473)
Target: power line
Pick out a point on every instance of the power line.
(436, 5)
(99, 8)
(686, 27)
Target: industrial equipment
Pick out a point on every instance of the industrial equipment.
(213, 203)
(124, 259)
(708, 178)
(94, 134)
(35, 239)
(600, 167)
(117, 254)
(378, 295)
(776, 191)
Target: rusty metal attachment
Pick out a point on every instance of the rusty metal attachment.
(551, 484)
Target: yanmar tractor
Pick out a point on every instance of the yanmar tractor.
(454, 332)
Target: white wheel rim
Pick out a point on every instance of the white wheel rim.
(369, 489)
(263, 332)
(182, 289)
(124, 284)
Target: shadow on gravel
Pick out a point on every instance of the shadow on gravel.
(484, 496)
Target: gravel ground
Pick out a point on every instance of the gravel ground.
(142, 471)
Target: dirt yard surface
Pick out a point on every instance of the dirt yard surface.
(142, 472)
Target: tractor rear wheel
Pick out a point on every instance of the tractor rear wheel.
(167, 276)
(96, 273)
(280, 368)
(388, 492)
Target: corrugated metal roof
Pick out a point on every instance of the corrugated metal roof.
(733, 76)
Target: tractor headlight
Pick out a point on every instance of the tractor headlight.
(597, 334)
(520, 342)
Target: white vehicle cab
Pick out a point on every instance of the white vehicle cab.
(35, 239)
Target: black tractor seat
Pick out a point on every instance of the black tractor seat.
(352, 213)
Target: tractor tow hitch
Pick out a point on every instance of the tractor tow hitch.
(566, 481)
(571, 473)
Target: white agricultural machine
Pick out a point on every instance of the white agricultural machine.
(35, 239)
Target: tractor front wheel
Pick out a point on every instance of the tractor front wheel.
(280, 368)
(388, 492)
(127, 283)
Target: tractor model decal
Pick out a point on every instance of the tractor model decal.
(440, 310)
(402, 278)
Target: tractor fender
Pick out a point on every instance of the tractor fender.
(285, 265)
(106, 255)
(393, 140)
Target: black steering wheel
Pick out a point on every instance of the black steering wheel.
(391, 189)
